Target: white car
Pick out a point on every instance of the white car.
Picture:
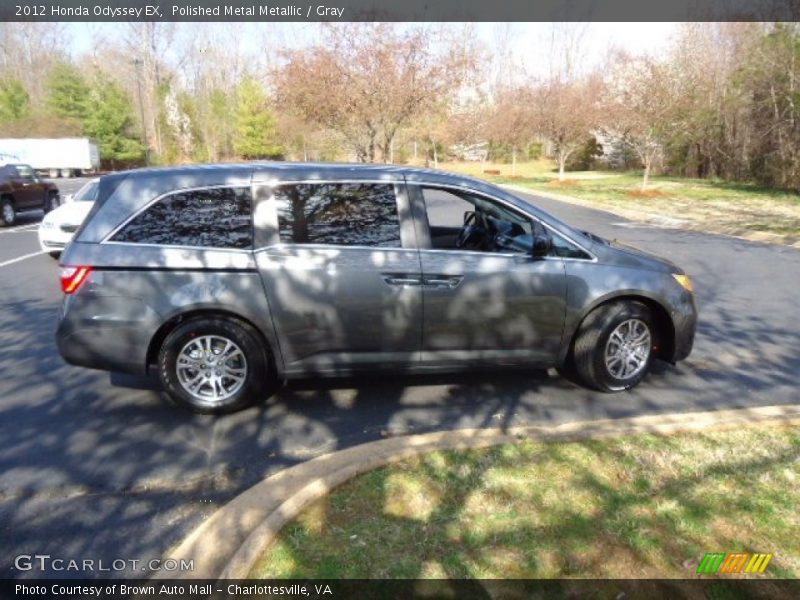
(59, 225)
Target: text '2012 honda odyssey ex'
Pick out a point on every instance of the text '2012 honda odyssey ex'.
(224, 279)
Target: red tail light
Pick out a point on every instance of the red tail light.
(73, 277)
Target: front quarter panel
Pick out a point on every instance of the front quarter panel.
(590, 284)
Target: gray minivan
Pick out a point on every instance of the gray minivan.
(225, 279)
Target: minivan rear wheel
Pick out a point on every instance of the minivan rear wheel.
(214, 365)
(614, 347)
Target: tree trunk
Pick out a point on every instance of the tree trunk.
(371, 151)
(514, 161)
(647, 162)
(562, 162)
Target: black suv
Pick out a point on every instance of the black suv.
(22, 190)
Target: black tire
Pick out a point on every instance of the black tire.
(258, 372)
(51, 203)
(589, 351)
(8, 213)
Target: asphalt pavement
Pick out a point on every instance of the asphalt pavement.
(97, 467)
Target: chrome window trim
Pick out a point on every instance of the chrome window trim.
(517, 255)
(107, 239)
(278, 183)
(285, 246)
(422, 184)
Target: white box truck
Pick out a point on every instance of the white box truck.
(54, 157)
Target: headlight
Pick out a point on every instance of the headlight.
(685, 282)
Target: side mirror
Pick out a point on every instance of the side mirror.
(68, 198)
(542, 244)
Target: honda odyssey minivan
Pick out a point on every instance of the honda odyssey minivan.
(225, 279)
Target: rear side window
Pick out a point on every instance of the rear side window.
(342, 214)
(211, 218)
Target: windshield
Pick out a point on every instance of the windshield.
(87, 193)
(25, 172)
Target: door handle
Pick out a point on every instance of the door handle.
(443, 281)
(401, 279)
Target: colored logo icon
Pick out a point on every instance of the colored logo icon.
(741, 562)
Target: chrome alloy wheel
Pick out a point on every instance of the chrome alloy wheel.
(211, 368)
(628, 349)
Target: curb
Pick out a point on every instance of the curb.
(229, 543)
(658, 220)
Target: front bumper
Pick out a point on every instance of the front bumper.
(684, 321)
(53, 239)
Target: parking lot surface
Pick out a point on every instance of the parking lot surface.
(101, 467)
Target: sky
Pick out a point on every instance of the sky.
(528, 42)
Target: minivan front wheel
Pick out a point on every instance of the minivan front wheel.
(614, 347)
(213, 365)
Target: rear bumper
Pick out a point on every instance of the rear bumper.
(90, 335)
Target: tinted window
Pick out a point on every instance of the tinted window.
(215, 218)
(344, 214)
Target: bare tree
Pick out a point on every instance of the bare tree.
(512, 120)
(566, 51)
(146, 46)
(28, 51)
(367, 80)
(566, 114)
(643, 100)
(212, 64)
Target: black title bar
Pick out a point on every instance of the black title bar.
(400, 10)
(365, 589)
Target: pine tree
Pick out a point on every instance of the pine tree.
(68, 93)
(111, 123)
(14, 100)
(255, 134)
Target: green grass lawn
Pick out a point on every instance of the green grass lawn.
(720, 205)
(637, 507)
